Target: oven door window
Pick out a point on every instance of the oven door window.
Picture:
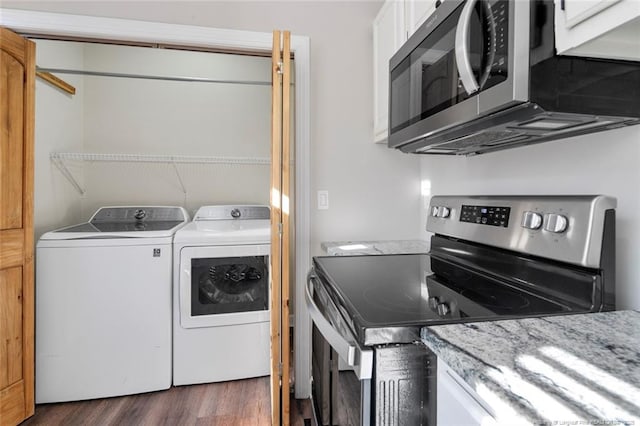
(429, 80)
(223, 285)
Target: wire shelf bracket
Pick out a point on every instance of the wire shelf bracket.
(59, 162)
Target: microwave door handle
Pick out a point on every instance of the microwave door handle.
(335, 340)
(462, 49)
(492, 46)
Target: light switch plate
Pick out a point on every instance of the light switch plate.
(323, 200)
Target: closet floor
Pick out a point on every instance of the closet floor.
(235, 403)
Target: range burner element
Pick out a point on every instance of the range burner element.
(497, 298)
(406, 301)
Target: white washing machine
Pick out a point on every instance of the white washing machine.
(221, 295)
(103, 304)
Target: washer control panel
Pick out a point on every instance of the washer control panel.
(137, 214)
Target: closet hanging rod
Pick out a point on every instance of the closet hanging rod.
(167, 159)
(154, 77)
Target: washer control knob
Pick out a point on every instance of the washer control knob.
(433, 303)
(531, 220)
(443, 309)
(235, 213)
(434, 211)
(555, 223)
(444, 212)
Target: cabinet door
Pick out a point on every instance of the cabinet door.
(456, 405)
(388, 35)
(576, 11)
(17, 75)
(417, 12)
(598, 28)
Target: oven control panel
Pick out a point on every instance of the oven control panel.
(563, 228)
(485, 215)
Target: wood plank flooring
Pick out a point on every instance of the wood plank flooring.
(236, 403)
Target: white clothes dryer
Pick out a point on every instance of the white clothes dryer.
(221, 324)
(103, 305)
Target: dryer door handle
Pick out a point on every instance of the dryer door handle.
(184, 293)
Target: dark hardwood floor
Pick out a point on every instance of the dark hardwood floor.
(235, 403)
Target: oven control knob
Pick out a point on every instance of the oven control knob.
(235, 213)
(555, 223)
(433, 303)
(444, 212)
(434, 211)
(443, 309)
(531, 220)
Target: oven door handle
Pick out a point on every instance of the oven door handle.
(346, 350)
(361, 360)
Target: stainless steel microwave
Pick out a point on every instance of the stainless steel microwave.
(483, 75)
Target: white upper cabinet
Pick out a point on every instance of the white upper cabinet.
(417, 11)
(394, 24)
(598, 28)
(388, 36)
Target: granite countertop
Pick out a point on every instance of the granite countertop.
(350, 248)
(571, 369)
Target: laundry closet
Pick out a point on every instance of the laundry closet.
(125, 131)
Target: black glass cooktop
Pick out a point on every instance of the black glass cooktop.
(379, 289)
(381, 295)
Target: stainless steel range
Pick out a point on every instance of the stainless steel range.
(491, 257)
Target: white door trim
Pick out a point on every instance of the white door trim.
(29, 22)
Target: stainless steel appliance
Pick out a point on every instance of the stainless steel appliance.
(483, 75)
(490, 258)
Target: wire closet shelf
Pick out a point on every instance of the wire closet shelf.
(61, 159)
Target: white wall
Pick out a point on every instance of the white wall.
(160, 117)
(374, 192)
(58, 127)
(602, 163)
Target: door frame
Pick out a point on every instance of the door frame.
(57, 24)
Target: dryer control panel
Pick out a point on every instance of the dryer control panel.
(239, 212)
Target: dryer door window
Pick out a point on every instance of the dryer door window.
(223, 285)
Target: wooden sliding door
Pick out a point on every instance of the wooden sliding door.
(280, 226)
(17, 85)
